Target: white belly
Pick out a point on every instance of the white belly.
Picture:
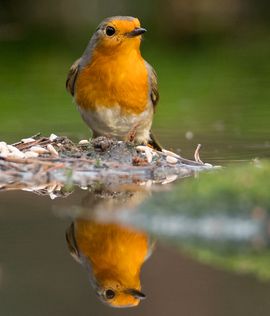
(111, 122)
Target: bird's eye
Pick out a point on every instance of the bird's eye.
(110, 294)
(110, 30)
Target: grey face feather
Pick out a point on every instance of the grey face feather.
(117, 17)
(86, 57)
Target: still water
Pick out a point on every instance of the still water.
(75, 253)
(61, 256)
(39, 277)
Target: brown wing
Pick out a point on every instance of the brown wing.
(72, 76)
(71, 242)
(154, 95)
(154, 85)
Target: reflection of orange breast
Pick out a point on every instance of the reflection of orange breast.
(114, 79)
(110, 247)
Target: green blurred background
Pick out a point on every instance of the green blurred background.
(211, 56)
(212, 60)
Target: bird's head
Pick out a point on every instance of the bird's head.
(114, 294)
(117, 33)
(113, 256)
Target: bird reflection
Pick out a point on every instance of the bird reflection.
(113, 256)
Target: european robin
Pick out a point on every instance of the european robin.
(113, 255)
(114, 88)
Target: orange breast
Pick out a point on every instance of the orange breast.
(114, 79)
(112, 248)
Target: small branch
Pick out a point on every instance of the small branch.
(20, 142)
(197, 154)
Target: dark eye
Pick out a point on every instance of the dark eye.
(110, 30)
(109, 294)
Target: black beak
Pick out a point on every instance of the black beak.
(136, 294)
(136, 32)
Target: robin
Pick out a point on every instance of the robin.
(114, 88)
(113, 255)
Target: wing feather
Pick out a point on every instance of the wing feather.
(72, 76)
(153, 85)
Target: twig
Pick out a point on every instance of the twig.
(41, 141)
(165, 153)
(197, 154)
(33, 136)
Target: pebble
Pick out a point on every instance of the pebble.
(52, 150)
(4, 152)
(39, 150)
(15, 152)
(170, 179)
(52, 196)
(12, 148)
(171, 159)
(53, 137)
(148, 155)
(84, 142)
(147, 151)
(31, 154)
